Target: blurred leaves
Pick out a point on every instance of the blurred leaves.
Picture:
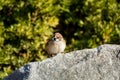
(26, 25)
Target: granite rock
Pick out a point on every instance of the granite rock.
(101, 63)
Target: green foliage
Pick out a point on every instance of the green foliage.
(26, 25)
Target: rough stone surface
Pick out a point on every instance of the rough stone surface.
(101, 63)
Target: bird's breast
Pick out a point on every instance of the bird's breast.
(55, 47)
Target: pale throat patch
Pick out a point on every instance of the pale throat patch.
(57, 40)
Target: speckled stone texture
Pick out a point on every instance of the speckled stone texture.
(101, 63)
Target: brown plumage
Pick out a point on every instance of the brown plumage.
(56, 45)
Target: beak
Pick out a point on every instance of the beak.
(54, 39)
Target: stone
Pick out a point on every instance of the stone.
(101, 63)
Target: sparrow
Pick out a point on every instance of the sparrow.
(55, 45)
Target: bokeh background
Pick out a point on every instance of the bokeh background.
(26, 25)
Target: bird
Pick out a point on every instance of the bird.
(55, 45)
